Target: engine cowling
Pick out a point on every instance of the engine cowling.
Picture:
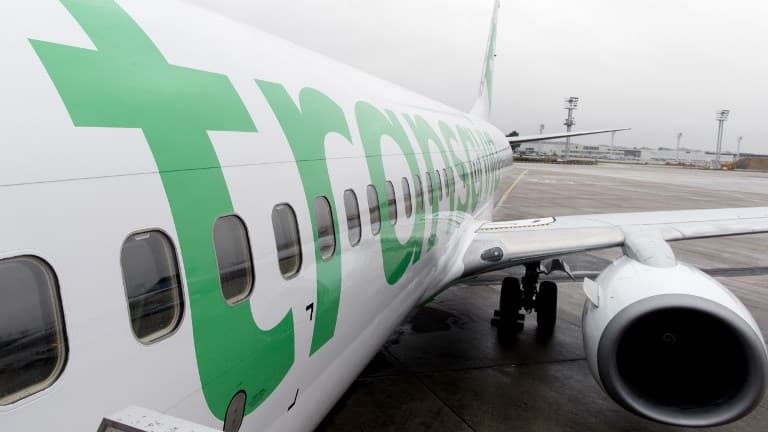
(673, 345)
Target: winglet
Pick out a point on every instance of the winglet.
(482, 106)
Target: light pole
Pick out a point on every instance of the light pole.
(738, 148)
(721, 116)
(677, 149)
(570, 105)
(541, 128)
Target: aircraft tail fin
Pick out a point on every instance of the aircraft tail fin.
(482, 106)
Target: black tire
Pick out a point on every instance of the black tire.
(510, 303)
(546, 309)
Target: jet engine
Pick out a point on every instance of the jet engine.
(670, 343)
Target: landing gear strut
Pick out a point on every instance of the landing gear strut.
(528, 296)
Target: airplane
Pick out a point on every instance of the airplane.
(206, 227)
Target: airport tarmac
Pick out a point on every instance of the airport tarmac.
(445, 370)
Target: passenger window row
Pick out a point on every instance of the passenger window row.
(438, 184)
(33, 343)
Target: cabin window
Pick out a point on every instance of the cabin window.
(233, 256)
(430, 189)
(407, 197)
(446, 187)
(33, 345)
(447, 183)
(462, 174)
(439, 185)
(391, 203)
(152, 285)
(352, 208)
(373, 208)
(326, 233)
(419, 192)
(451, 181)
(287, 240)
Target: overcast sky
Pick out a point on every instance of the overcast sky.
(658, 66)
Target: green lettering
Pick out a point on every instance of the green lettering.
(466, 141)
(450, 139)
(306, 128)
(374, 125)
(127, 83)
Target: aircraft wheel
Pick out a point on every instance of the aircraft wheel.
(546, 309)
(508, 319)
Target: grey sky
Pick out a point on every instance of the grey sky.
(658, 66)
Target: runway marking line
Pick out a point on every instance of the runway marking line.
(517, 180)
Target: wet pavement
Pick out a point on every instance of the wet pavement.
(446, 370)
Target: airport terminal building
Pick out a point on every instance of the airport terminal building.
(606, 152)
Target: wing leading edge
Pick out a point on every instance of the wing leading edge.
(544, 137)
(498, 245)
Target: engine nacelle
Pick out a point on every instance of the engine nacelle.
(673, 345)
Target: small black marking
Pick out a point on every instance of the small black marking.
(493, 254)
(311, 308)
(295, 398)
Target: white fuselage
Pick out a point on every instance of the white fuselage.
(72, 192)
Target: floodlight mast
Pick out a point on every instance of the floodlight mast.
(570, 104)
(677, 148)
(738, 147)
(721, 117)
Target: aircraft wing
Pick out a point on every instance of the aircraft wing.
(544, 137)
(503, 244)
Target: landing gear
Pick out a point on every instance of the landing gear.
(529, 296)
(546, 310)
(508, 319)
